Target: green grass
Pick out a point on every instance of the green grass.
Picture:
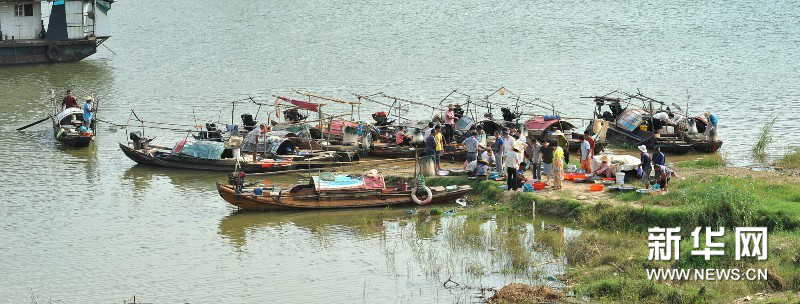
(701, 200)
(610, 268)
(791, 160)
(706, 162)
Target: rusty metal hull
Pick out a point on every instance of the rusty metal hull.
(44, 51)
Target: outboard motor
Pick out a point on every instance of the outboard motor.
(294, 115)
(248, 122)
(507, 115)
(210, 133)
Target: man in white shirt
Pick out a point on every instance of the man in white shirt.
(512, 160)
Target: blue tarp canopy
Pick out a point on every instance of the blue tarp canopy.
(204, 149)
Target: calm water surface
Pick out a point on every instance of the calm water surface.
(88, 226)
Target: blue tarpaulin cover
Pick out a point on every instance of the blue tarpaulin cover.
(204, 149)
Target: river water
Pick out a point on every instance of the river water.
(86, 225)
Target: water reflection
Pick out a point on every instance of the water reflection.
(363, 223)
(141, 177)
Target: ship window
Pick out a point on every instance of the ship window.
(24, 10)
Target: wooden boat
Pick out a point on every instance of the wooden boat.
(316, 195)
(143, 153)
(632, 127)
(539, 126)
(69, 130)
(391, 150)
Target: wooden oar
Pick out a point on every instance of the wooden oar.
(34, 123)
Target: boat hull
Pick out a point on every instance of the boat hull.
(78, 141)
(310, 200)
(193, 163)
(621, 137)
(44, 51)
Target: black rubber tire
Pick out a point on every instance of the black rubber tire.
(54, 53)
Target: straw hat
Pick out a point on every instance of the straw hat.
(372, 173)
(604, 158)
(480, 161)
(642, 148)
(558, 133)
(519, 146)
(89, 98)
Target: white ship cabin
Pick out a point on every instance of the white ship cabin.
(24, 20)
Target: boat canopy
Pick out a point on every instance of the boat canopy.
(61, 116)
(204, 149)
(541, 124)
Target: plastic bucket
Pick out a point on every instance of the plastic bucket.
(539, 186)
(620, 178)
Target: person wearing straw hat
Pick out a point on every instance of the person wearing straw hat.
(558, 167)
(604, 170)
(88, 113)
(562, 141)
(646, 166)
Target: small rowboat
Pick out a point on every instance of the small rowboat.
(69, 130)
(318, 195)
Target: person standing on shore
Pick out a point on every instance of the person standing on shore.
(481, 135)
(430, 150)
(558, 167)
(512, 161)
(471, 146)
(498, 149)
(586, 154)
(449, 124)
(439, 140)
(547, 159)
(646, 165)
(534, 154)
(561, 141)
(659, 159)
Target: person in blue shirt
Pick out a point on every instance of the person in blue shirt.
(498, 149)
(711, 128)
(88, 113)
(659, 159)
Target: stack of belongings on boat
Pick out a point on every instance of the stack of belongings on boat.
(369, 182)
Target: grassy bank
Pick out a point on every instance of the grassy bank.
(700, 200)
(612, 269)
(791, 160)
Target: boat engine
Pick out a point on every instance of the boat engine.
(248, 122)
(507, 115)
(293, 115)
(210, 133)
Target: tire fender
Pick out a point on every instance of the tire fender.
(54, 53)
(428, 196)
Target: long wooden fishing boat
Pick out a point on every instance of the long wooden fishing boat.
(224, 161)
(69, 129)
(337, 194)
(540, 126)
